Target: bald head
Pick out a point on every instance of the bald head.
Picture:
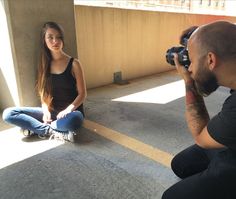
(218, 37)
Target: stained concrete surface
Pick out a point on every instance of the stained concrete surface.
(96, 167)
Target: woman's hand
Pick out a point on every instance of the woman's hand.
(47, 117)
(63, 113)
(46, 114)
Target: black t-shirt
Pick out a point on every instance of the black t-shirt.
(222, 127)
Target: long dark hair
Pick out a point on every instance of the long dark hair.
(44, 79)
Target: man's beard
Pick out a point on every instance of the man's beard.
(206, 84)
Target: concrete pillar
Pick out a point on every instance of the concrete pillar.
(25, 19)
(8, 87)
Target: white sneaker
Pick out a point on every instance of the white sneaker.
(71, 136)
(27, 133)
(63, 136)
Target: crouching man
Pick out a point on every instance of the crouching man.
(208, 168)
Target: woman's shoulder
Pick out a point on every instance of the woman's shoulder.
(75, 60)
(76, 63)
(76, 66)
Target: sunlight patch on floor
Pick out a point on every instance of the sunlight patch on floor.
(158, 95)
(13, 149)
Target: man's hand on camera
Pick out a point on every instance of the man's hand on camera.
(185, 74)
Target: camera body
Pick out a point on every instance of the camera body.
(181, 51)
(183, 57)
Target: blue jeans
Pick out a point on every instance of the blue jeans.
(31, 118)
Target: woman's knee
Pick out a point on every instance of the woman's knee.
(8, 114)
(78, 116)
(77, 120)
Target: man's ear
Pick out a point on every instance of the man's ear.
(211, 60)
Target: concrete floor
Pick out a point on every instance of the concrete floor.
(115, 159)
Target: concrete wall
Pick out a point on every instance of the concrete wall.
(131, 41)
(25, 19)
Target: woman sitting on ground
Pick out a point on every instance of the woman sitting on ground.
(61, 88)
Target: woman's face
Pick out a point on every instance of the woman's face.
(53, 40)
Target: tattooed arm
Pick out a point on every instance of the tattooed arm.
(197, 116)
(196, 113)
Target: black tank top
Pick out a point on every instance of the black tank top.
(64, 90)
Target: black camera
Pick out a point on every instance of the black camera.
(182, 56)
(182, 51)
